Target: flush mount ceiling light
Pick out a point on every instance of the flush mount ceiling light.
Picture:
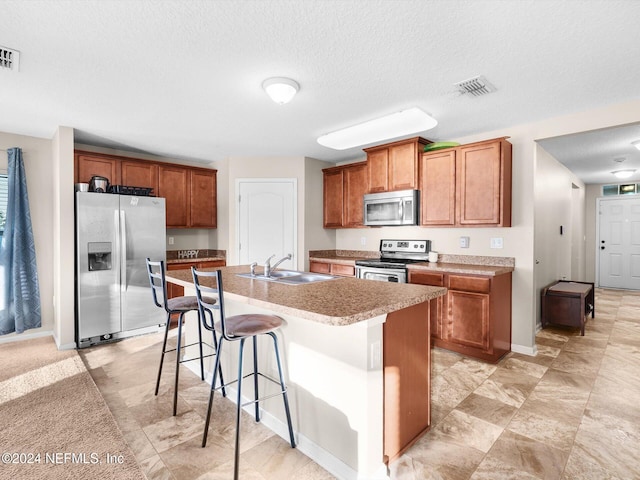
(280, 89)
(636, 144)
(397, 124)
(624, 173)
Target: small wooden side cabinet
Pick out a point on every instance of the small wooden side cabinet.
(567, 303)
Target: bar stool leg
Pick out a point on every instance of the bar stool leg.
(164, 349)
(284, 389)
(255, 377)
(201, 354)
(216, 369)
(175, 389)
(238, 412)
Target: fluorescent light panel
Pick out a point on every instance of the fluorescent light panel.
(406, 122)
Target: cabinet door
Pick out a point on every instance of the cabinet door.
(438, 188)
(378, 168)
(333, 198)
(212, 264)
(202, 199)
(355, 186)
(403, 167)
(343, 270)
(478, 172)
(468, 319)
(87, 166)
(173, 185)
(437, 305)
(140, 174)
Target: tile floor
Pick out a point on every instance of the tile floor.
(571, 412)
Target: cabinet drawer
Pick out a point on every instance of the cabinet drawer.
(319, 267)
(343, 270)
(423, 278)
(470, 284)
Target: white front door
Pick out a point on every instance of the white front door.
(267, 220)
(619, 243)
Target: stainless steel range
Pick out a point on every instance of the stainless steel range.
(394, 257)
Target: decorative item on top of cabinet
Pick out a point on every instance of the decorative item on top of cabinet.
(343, 192)
(395, 166)
(475, 315)
(468, 185)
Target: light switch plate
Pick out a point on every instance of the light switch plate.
(170, 240)
(496, 242)
(464, 242)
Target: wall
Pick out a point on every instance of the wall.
(38, 163)
(308, 173)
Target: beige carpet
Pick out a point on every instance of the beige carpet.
(54, 424)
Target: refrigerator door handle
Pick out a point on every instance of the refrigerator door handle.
(123, 255)
(116, 228)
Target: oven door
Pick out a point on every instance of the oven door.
(381, 274)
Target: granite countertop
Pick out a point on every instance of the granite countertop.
(195, 255)
(338, 302)
(466, 268)
(342, 257)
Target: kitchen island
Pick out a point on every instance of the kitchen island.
(357, 362)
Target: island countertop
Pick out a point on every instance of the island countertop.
(338, 302)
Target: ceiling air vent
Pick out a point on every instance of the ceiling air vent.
(9, 59)
(476, 86)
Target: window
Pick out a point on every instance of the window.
(627, 189)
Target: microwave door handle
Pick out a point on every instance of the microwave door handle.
(401, 209)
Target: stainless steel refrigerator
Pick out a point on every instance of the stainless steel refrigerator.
(114, 236)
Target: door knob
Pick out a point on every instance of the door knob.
(602, 248)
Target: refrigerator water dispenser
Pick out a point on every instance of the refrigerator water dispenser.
(99, 256)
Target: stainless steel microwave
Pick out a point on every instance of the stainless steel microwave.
(392, 208)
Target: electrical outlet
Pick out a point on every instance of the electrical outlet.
(170, 240)
(464, 242)
(363, 241)
(496, 242)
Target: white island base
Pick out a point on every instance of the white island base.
(359, 393)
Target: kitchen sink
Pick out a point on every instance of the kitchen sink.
(290, 277)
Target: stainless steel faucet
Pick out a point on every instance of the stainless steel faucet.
(268, 268)
(253, 268)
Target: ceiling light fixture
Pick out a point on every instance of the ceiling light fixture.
(636, 144)
(280, 89)
(623, 173)
(406, 122)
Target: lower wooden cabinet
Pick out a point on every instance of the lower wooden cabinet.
(338, 269)
(474, 317)
(174, 290)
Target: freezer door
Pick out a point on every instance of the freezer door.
(98, 277)
(143, 232)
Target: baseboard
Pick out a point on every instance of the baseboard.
(18, 337)
(530, 351)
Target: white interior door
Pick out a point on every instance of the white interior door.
(267, 220)
(619, 243)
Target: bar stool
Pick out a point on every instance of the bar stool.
(180, 306)
(238, 328)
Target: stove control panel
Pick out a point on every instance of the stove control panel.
(405, 246)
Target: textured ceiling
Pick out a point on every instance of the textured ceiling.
(183, 78)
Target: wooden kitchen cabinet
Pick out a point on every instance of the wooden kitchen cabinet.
(87, 165)
(468, 186)
(395, 166)
(202, 199)
(173, 184)
(174, 290)
(343, 192)
(338, 269)
(475, 315)
(139, 174)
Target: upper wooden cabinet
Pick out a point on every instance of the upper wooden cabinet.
(469, 185)
(87, 165)
(344, 189)
(139, 174)
(203, 204)
(190, 192)
(394, 166)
